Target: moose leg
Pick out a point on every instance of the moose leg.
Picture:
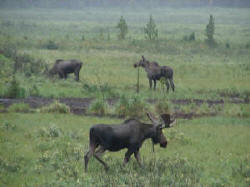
(61, 75)
(100, 151)
(88, 155)
(167, 85)
(150, 83)
(65, 75)
(172, 84)
(154, 84)
(76, 75)
(137, 157)
(127, 156)
(100, 160)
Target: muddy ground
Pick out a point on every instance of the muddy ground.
(79, 106)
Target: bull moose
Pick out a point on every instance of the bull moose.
(130, 134)
(64, 67)
(156, 72)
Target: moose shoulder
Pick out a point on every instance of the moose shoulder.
(130, 134)
(155, 72)
(64, 67)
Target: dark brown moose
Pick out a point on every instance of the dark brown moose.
(156, 72)
(64, 67)
(130, 134)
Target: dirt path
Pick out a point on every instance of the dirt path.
(80, 105)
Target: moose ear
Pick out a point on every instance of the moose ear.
(167, 120)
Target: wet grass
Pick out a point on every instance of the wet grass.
(48, 149)
(42, 149)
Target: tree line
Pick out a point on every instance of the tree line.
(120, 3)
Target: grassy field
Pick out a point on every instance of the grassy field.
(44, 149)
(48, 149)
(197, 67)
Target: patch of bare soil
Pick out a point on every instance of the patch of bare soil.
(80, 105)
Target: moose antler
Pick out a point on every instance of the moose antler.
(151, 117)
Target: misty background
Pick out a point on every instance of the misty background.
(78, 4)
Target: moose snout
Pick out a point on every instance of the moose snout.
(135, 65)
(163, 144)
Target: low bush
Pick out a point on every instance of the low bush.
(34, 91)
(19, 107)
(28, 65)
(134, 107)
(104, 90)
(190, 37)
(204, 109)
(52, 131)
(237, 110)
(55, 107)
(8, 126)
(50, 44)
(98, 107)
(22, 62)
(14, 90)
(162, 107)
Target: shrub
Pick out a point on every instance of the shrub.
(122, 107)
(191, 37)
(162, 107)
(237, 110)
(104, 90)
(247, 45)
(34, 91)
(203, 109)
(51, 45)
(151, 32)
(134, 106)
(8, 126)
(9, 50)
(19, 107)
(28, 65)
(22, 62)
(83, 37)
(98, 107)
(55, 107)
(6, 69)
(15, 90)
(52, 131)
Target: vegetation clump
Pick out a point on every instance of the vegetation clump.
(19, 107)
(51, 45)
(134, 107)
(52, 131)
(14, 90)
(55, 107)
(190, 37)
(98, 107)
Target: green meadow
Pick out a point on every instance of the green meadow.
(41, 148)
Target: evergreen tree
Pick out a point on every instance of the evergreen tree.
(150, 30)
(123, 27)
(210, 30)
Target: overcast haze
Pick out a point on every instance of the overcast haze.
(120, 3)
